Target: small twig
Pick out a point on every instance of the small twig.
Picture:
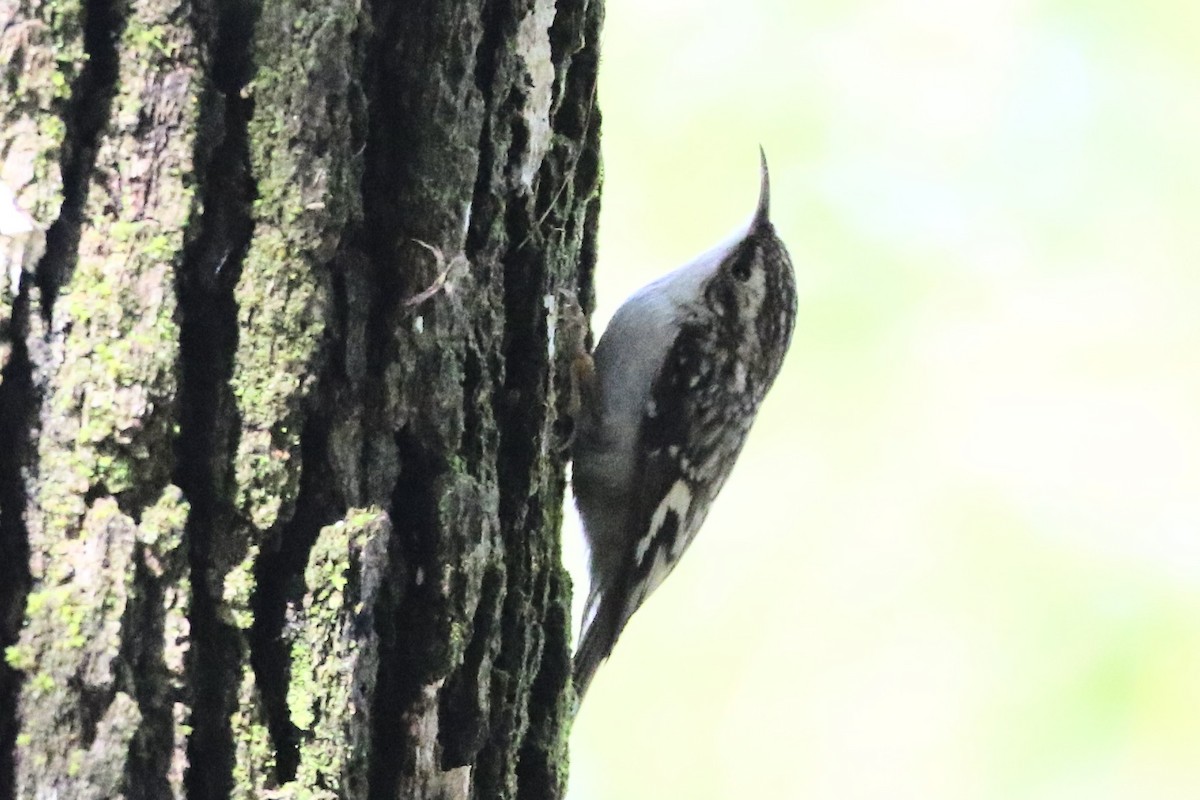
(440, 282)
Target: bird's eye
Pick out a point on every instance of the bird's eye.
(743, 261)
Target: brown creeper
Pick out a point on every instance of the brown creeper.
(679, 375)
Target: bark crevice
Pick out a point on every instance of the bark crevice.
(385, 145)
(85, 117)
(18, 398)
(208, 315)
(150, 755)
(538, 773)
(464, 702)
(279, 585)
(407, 663)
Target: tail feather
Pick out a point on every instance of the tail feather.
(595, 644)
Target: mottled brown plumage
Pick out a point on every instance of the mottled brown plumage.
(679, 376)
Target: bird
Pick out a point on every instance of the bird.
(675, 383)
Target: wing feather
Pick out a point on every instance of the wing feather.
(662, 506)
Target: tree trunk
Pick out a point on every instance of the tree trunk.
(284, 405)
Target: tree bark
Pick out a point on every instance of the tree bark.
(284, 400)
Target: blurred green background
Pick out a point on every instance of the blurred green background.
(960, 556)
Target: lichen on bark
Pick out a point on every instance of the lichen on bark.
(105, 621)
(306, 169)
(102, 651)
(335, 653)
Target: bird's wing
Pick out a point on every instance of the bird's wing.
(660, 512)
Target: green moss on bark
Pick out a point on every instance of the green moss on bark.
(306, 171)
(86, 640)
(254, 753)
(111, 407)
(106, 628)
(335, 654)
(41, 56)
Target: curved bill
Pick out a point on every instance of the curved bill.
(762, 213)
